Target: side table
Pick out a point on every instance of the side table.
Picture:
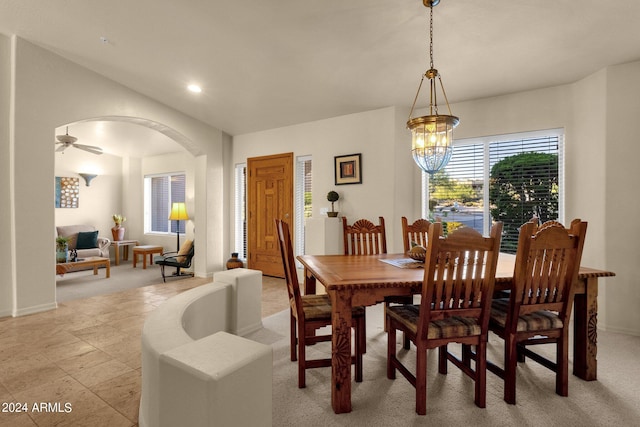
(145, 250)
(125, 252)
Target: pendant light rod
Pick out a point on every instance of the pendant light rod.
(432, 134)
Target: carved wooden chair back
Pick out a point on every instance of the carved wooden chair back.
(547, 264)
(459, 276)
(364, 237)
(418, 233)
(288, 261)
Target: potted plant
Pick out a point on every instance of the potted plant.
(62, 249)
(333, 197)
(118, 230)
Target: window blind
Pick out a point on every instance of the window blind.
(508, 178)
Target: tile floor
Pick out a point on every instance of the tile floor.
(79, 365)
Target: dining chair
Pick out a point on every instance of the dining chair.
(459, 277)
(311, 312)
(538, 309)
(417, 232)
(363, 237)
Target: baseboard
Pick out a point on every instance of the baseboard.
(249, 329)
(625, 331)
(35, 309)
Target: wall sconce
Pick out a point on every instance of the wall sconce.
(87, 177)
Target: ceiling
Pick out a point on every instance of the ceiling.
(272, 63)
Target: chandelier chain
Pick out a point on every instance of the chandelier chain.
(431, 37)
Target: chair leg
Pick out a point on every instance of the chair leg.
(391, 351)
(164, 279)
(510, 366)
(384, 313)
(360, 331)
(302, 360)
(562, 361)
(421, 381)
(363, 335)
(521, 355)
(466, 355)
(442, 359)
(292, 333)
(481, 375)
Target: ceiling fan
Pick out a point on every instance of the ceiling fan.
(70, 141)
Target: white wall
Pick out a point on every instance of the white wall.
(176, 162)
(6, 168)
(601, 132)
(387, 183)
(98, 202)
(49, 92)
(621, 202)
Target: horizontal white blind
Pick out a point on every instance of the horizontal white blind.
(528, 180)
(165, 189)
(240, 211)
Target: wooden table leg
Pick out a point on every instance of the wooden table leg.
(117, 246)
(309, 283)
(125, 253)
(107, 269)
(585, 329)
(341, 352)
(95, 269)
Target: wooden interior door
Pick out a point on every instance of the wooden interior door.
(269, 196)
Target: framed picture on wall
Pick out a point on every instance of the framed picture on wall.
(67, 192)
(348, 169)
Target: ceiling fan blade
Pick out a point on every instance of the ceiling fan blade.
(90, 148)
(62, 147)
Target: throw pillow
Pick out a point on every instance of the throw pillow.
(87, 240)
(184, 250)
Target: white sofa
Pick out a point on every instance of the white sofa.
(71, 231)
(196, 373)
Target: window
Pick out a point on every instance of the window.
(160, 191)
(241, 210)
(509, 178)
(302, 199)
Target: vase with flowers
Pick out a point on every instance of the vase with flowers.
(118, 230)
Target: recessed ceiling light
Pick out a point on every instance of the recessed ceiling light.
(194, 88)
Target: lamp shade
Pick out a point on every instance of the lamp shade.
(178, 212)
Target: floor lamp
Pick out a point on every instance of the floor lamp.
(178, 213)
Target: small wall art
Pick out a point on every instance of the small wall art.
(67, 192)
(348, 169)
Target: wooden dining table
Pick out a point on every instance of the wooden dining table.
(364, 280)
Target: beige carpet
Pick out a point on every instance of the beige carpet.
(84, 284)
(611, 401)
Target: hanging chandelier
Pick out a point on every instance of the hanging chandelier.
(432, 135)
